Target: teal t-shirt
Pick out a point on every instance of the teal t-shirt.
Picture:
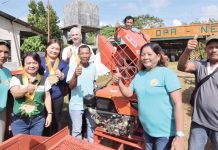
(5, 77)
(156, 111)
(85, 85)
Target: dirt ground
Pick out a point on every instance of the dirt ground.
(187, 82)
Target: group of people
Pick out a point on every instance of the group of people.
(158, 90)
(39, 92)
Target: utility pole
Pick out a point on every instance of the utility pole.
(48, 20)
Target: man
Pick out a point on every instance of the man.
(128, 25)
(69, 54)
(81, 79)
(5, 77)
(205, 108)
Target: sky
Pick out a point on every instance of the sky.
(173, 12)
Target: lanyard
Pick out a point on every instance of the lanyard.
(26, 82)
(50, 68)
(74, 54)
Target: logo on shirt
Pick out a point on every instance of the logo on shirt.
(154, 82)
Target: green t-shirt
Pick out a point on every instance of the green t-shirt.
(23, 106)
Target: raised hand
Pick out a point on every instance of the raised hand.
(78, 70)
(59, 74)
(192, 44)
(69, 54)
(31, 88)
(117, 76)
(117, 25)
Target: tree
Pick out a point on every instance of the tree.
(210, 20)
(54, 21)
(107, 31)
(91, 38)
(32, 44)
(147, 21)
(38, 17)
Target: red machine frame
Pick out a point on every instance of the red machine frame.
(125, 57)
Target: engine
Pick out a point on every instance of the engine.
(105, 115)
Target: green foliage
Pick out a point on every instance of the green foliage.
(107, 31)
(91, 38)
(147, 21)
(54, 21)
(33, 44)
(201, 47)
(38, 17)
(211, 20)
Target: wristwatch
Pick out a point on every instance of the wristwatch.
(180, 134)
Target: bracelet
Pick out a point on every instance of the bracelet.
(180, 134)
(50, 113)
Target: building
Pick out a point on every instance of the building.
(15, 31)
(80, 13)
(174, 39)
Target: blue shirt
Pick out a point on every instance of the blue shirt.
(57, 90)
(85, 85)
(5, 77)
(156, 111)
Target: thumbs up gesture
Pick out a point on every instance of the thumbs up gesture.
(117, 25)
(117, 76)
(78, 70)
(193, 43)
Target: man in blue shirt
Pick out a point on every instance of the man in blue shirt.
(5, 77)
(81, 78)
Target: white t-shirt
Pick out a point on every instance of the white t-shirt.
(41, 88)
(74, 50)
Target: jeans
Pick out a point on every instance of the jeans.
(25, 125)
(199, 136)
(2, 124)
(157, 143)
(76, 117)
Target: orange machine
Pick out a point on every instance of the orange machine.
(116, 116)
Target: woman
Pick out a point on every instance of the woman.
(70, 52)
(31, 96)
(159, 100)
(56, 71)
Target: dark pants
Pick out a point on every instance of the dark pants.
(56, 124)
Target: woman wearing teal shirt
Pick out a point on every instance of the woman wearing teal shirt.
(159, 100)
